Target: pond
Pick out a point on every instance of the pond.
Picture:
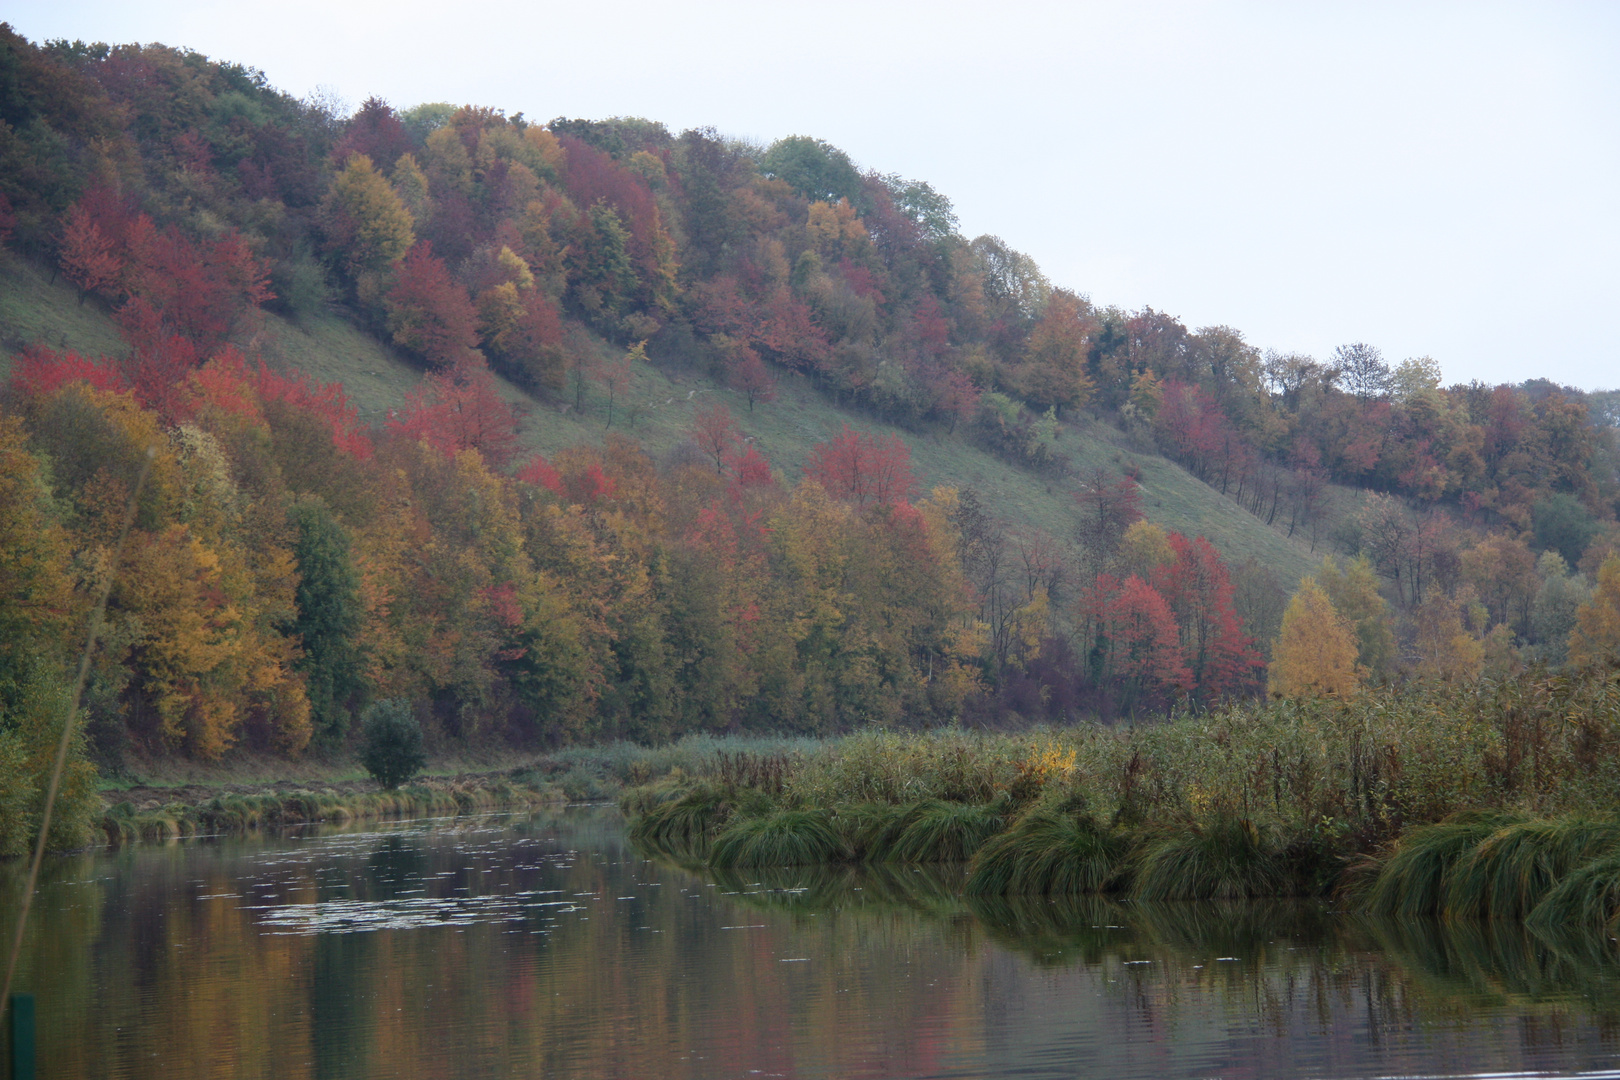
(545, 945)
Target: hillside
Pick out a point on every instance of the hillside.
(590, 429)
(668, 392)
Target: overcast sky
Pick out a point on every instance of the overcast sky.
(1434, 179)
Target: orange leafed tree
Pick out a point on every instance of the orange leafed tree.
(88, 256)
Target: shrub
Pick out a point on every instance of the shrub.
(392, 752)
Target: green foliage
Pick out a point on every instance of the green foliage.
(1048, 851)
(1413, 880)
(32, 712)
(329, 619)
(1563, 525)
(392, 748)
(1228, 858)
(782, 838)
(816, 169)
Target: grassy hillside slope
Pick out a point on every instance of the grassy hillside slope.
(660, 408)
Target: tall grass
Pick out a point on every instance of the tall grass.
(1403, 786)
(1048, 851)
(782, 838)
(937, 831)
(1512, 870)
(1587, 898)
(1230, 858)
(1412, 881)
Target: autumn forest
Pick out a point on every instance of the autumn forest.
(290, 562)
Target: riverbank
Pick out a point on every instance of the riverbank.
(168, 799)
(157, 814)
(1468, 802)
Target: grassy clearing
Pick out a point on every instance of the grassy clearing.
(34, 309)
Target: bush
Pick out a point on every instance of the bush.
(392, 753)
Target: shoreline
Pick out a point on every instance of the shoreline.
(162, 814)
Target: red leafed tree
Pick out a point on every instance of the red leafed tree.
(539, 473)
(749, 376)
(201, 292)
(1143, 646)
(225, 384)
(88, 256)
(787, 331)
(534, 348)
(460, 409)
(429, 313)
(863, 469)
(325, 400)
(750, 469)
(159, 361)
(1222, 658)
(957, 397)
(716, 433)
(40, 371)
(374, 130)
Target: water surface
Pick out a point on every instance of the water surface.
(545, 945)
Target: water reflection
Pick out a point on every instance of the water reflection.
(547, 946)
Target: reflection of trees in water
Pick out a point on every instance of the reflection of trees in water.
(145, 966)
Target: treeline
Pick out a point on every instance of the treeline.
(462, 231)
(287, 565)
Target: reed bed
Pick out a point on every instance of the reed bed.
(1493, 801)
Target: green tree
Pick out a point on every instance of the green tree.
(365, 220)
(1552, 616)
(392, 752)
(1563, 525)
(817, 170)
(329, 619)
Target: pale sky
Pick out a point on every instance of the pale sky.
(1434, 179)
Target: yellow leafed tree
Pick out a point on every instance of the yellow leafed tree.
(1315, 651)
(1596, 637)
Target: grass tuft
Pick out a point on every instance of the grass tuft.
(935, 831)
(679, 820)
(1047, 852)
(783, 838)
(1588, 898)
(1412, 881)
(1515, 867)
(1230, 858)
